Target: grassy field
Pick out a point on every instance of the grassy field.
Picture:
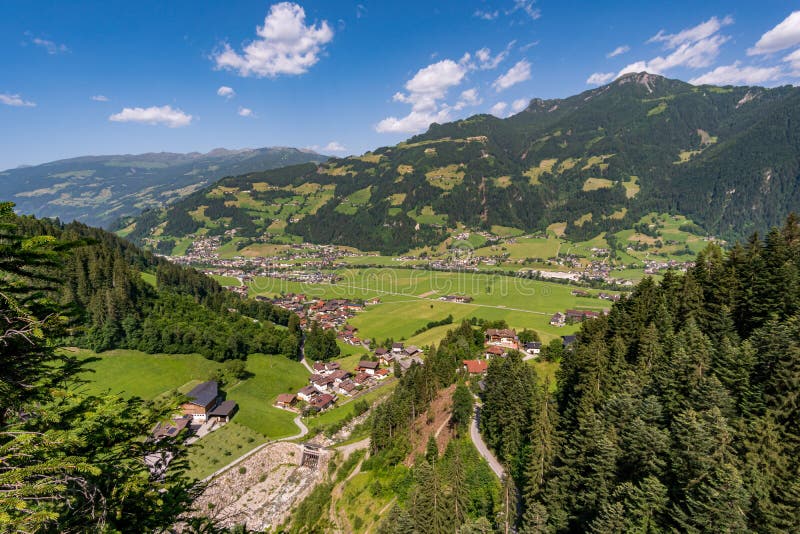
(521, 303)
(346, 407)
(133, 373)
(226, 280)
(350, 355)
(136, 374)
(220, 448)
(150, 278)
(271, 375)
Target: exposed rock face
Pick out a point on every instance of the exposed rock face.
(261, 491)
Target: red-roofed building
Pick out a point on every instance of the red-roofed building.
(476, 367)
(493, 351)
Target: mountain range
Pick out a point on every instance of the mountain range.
(727, 157)
(98, 190)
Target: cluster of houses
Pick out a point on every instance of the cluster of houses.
(497, 343)
(573, 317)
(330, 381)
(204, 404)
(399, 354)
(332, 313)
(653, 266)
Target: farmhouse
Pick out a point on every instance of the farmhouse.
(346, 387)
(460, 299)
(323, 369)
(559, 319)
(172, 428)
(286, 400)
(533, 347)
(412, 351)
(307, 393)
(322, 402)
(406, 362)
(493, 351)
(476, 367)
(223, 411)
(397, 348)
(202, 399)
(504, 337)
(578, 316)
(368, 367)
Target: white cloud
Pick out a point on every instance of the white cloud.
(783, 36)
(737, 75)
(600, 78)
(498, 110)
(414, 122)
(618, 51)
(15, 100)
(361, 11)
(50, 47)
(334, 146)
(285, 45)
(690, 35)
(486, 15)
(527, 7)
(245, 112)
(520, 72)
(426, 90)
(519, 104)
(695, 47)
(431, 84)
(794, 61)
(468, 97)
(488, 62)
(99, 98)
(166, 115)
(226, 91)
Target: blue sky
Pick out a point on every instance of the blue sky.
(342, 77)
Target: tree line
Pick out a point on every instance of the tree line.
(186, 312)
(675, 413)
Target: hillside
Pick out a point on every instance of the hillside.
(727, 157)
(120, 297)
(98, 190)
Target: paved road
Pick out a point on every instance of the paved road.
(303, 430)
(483, 450)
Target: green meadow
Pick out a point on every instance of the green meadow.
(133, 373)
(409, 300)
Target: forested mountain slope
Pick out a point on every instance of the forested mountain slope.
(678, 412)
(114, 307)
(98, 190)
(727, 157)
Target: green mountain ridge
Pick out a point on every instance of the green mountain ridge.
(727, 157)
(98, 190)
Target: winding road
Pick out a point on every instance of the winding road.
(483, 449)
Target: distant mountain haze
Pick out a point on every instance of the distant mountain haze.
(99, 190)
